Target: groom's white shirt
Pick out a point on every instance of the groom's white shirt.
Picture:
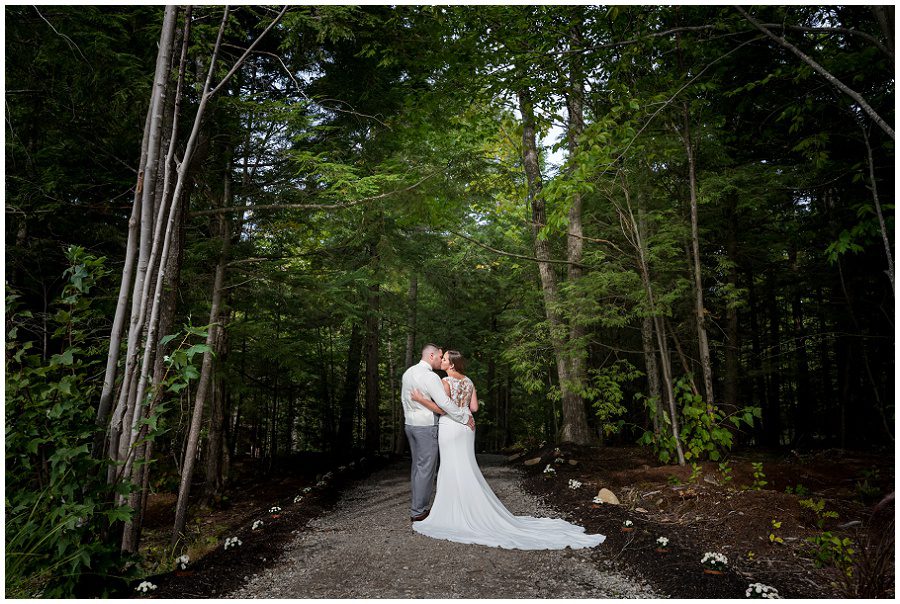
(422, 377)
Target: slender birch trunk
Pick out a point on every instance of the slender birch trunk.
(874, 188)
(699, 310)
(148, 188)
(203, 382)
(635, 236)
(115, 338)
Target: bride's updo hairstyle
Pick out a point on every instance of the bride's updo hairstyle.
(457, 360)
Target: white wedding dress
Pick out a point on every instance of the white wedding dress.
(465, 508)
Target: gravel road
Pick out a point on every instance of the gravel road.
(365, 548)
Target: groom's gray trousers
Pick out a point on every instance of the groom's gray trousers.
(423, 445)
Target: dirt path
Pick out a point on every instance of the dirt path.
(365, 548)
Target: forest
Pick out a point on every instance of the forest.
(230, 230)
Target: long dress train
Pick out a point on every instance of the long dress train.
(465, 508)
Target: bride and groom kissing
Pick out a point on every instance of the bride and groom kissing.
(440, 427)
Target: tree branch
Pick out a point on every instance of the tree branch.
(308, 206)
(837, 30)
(519, 256)
(823, 72)
(240, 61)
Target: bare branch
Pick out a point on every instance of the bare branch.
(823, 72)
(836, 30)
(350, 111)
(309, 206)
(68, 40)
(240, 61)
(519, 256)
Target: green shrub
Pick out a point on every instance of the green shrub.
(58, 506)
(759, 477)
(831, 550)
(704, 429)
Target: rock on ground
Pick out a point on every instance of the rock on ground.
(366, 548)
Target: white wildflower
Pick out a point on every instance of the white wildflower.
(298, 498)
(145, 586)
(257, 524)
(274, 509)
(574, 484)
(549, 470)
(662, 542)
(232, 542)
(714, 560)
(557, 452)
(758, 590)
(597, 500)
(628, 523)
(307, 489)
(183, 561)
(559, 460)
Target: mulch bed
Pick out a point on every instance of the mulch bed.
(703, 516)
(220, 571)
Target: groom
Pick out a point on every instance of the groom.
(422, 427)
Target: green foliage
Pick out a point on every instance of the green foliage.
(725, 470)
(866, 487)
(704, 429)
(605, 391)
(816, 510)
(696, 472)
(759, 476)
(773, 535)
(57, 501)
(799, 490)
(832, 550)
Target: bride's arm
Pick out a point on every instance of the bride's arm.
(473, 404)
(432, 385)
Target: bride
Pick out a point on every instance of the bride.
(465, 508)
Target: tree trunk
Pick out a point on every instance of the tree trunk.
(577, 353)
(881, 224)
(147, 186)
(759, 378)
(411, 314)
(373, 386)
(141, 472)
(215, 449)
(193, 440)
(699, 310)
(772, 407)
(733, 345)
(409, 357)
(804, 418)
(351, 389)
(115, 338)
(652, 373)
(631, 226)
(574, 421)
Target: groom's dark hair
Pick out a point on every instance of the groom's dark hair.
(428, 346)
